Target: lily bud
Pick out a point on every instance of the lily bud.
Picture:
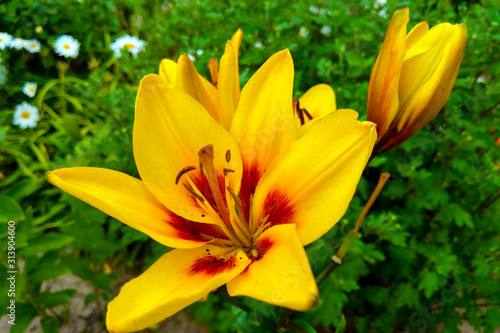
(412, 77)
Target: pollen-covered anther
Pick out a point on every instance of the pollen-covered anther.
(301, 112)
(228, 156)
(235, 197)
(183, 172)
(196, 195)
(226, 171)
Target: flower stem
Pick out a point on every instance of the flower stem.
(353, 234)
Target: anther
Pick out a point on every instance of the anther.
(228, 156)
(226, 171)
(196, 195)
(235, 197)
(183, 172)
(307, 114)
(296, 106)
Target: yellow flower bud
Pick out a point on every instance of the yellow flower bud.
(412, 77)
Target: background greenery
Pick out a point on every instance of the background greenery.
(428, 253)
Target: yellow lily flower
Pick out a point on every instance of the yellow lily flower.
(220, 98)
(412, 77)
(237, 206)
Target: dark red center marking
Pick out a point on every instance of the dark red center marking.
(249, 180)
(278, 209)
(263, 245)
(211, 265)
(195, 231)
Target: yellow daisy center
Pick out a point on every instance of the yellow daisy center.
(33, 46)
(66, 46)
(32, 90)
(129, 46)
(25, 115)
(0, 40)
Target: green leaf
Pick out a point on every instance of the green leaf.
(45, 272)
(50, 325)
(45, 243)
(25, 313)
(51, 299)
(305, 326)
(71, 126)
(11, 211)
(341, 327)
(429, 283)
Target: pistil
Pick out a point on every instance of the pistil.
(206, 155)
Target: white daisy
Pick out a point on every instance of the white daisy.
(29, 89)
(32, 45)
(131, 43)
(66, 46)
(3, 74)
(303, 32)
(191, 56)
(25, 115)
(199, 52)
(314, 9)
(326, 30)
(18, 43)
(258, 45)
(5, 40)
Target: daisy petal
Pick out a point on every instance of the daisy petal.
(176, 280)
(127, 199)
(281, 274)
(313, 183)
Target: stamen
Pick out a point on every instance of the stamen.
(196, 195)
(235, 197)
(226, 171)
(307, 114)
(201, 169)
(213, 65)
(296, 105)
(183, 172)
(206, 155)
(228, 156)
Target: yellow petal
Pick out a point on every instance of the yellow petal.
(189, 81)
(436, 71)
(236, 42)
(229, 92)
(263, 124)
(170, 129)
(416, 33)
(383, 89)
(176, 280)
(314, 182)
(318, 101)
(128, 200)
(281, 274)
(168, 71)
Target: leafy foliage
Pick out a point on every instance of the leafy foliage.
(428, 252)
